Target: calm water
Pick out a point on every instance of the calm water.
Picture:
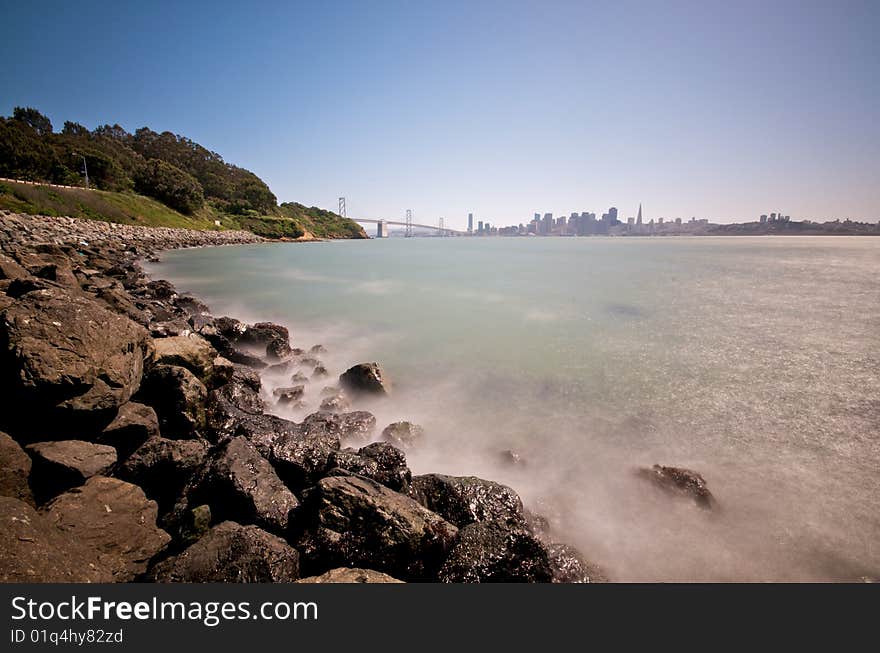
(754, 361)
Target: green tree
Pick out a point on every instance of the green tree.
(170, 185)
(33, 119)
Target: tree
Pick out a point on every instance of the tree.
(170, 185)
(74, 129)
(33, 119)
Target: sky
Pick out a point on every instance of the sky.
(723, 110)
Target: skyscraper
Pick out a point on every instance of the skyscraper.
(639, 219)
(470, 223)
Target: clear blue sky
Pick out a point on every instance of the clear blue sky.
(712, 109)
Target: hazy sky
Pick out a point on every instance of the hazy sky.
(712, 109)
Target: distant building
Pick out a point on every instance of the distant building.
(480, 227)
(470, 223)
(763, 218)
(381, 229)
(639, 218)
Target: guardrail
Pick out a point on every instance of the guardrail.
(42, 183)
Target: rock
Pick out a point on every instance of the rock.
(511, 458)
(224, 371)
(364, 378)
(169, 329)
(163, 467)
(318, 349)
(357, 425)
(404, 435)
(162, 289)
(378, 461)
(115, 521)
(179, 399)
(59, 466)
(464, 500)
(33, 550)
(133, 425)
(273, 338)
(15, 468)
(192, 352)
(680, 481)
(569, 566)
(119, 301)
(193, 524)
(320, 372)
(301, 453)
(358, 522)
(496, 552)
(335, 404)
(299, 377)
(240, 485)
(347, 575)
(191, 305)
(231, 405)
(288, 394)
(329, 391)
(68, 363)
(9, 269)
(309, 361)
(232, 553)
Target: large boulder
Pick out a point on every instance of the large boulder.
(10, 269)
(404, 435)
(234, 402)
(240, 485)
(179, 399)
(67, 361)
(496, 552)
(358, 522)
(350, 576)
(192, 352)
(162, 467)
(59, 466)
(114, 521)
(681, 482)
(379, 461)
(302, 454)
(133, 425)
(232, 553)
(355, 426)
(464, 500)
(15, 468)
(364, 379)
(569, 566)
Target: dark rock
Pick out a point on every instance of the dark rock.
(364, 378)
(232, 553)
(15, 468)
(464, 500)
(299, 377)
(9, 269)
(378, 461)
(68, 363)
(133, 425)
(115, 522)
(163, 467)
(320, 372)
(179, 399)
(191, 305)
(404, 435)
(273, 338)
(318, 349)
(232, 404)
(309, 362)
(347, 575)
(569, 566)
(335, 404)
(59, 466)
(682, 482)
(358, 522)
(289, 394)
(496, 552)
(119, 301)
(193, 524)
(192, 352)
(162, 289)
(169, 329)
(302, 453)
(240, 485)
(357, 425)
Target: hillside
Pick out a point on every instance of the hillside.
(144, 178)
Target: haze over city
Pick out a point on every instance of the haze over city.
(696, 109)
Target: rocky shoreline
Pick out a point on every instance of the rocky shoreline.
(138, 441)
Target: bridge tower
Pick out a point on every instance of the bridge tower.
(442, 230)
(342, 206)
(409, 232)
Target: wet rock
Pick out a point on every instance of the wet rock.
(232, 553)
(569, 566)
(464, 500)
(496, 552)
(191, 352)
(289, 394)
(162, 467)
(179, 399)
(404, 435)
(335, 404)
(192, 305)
(15, 468)
(233, 404)
(59, 466)
(318, 349)
(682, 482)
(358, 522)
(240, 485)
(302, 453)
(364, 378)
(298, 378)
(320, 372)
(133, 425)
(161, 289)
(347, 575)
(378, 461)
(67, 361)
(355, 426)
(273, 338)
(114, 521)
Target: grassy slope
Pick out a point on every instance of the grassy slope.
(130, 208)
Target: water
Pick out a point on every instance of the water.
(753, 361)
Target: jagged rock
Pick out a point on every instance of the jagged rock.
(335, 404)
(10, 269)
(320, 372)
(378, 461)
(162, 468)
(161, 289)
(192, 352)
(347, 575)
(464, 500)
(115, 521)
(404, 435)
(299, 377)
(120, 302)
(569, 566)
(15, 468)
(364, 378)
(358, 522)
(496, 551)
(233, 403)
(357, 425)
(191, 305)
(301, 452)
(59, 466)
(240, 485)
(67, 361)
(288, 394)
(179, 399)
(232, 553)
(175, 328)
(682, 482)
(133, 425)
(273, 338)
